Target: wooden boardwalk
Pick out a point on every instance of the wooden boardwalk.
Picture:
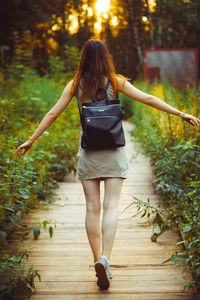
(65, 262)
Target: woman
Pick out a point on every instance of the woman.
(96, 69)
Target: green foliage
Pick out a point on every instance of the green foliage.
(16, 279)
(62, 68)
(170, 24)
(37, 229)
(28, 180)
(158, 219)
(50, 231)
(36, 232)
(173, 147)
(56, 67)
(128, 106)
(72, 58)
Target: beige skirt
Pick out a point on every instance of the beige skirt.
(102, 163)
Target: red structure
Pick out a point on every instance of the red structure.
(179, 66)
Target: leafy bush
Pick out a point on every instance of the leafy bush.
(128, 106)
(26, 180)
(173, 146)
(16, 279)
(58, 68)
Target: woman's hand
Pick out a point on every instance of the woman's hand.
(23, 147)
(194, 121)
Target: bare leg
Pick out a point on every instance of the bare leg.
(110, 213)
(91, 189)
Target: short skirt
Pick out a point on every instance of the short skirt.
(102, 163)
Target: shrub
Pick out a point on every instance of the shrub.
(28, 180)
(173, 147)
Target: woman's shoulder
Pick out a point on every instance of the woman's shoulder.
(73, 88)
(121, 79)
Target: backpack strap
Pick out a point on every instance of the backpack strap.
(80, 114)
(107, 85)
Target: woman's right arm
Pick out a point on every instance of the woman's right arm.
(49, 118)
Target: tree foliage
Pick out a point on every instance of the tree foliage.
(43, 27)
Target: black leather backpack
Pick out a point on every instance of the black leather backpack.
(101, 122)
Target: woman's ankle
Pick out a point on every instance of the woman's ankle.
(106, 257)
(96, 257)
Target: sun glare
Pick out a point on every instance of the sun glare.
(102, 6)
(74, 25)
(114, 21)
(152, 5)
(97, 26)
(90, 12)
(144, 19)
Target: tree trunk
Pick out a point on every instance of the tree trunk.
(150, 25)
(134, 37)
(159, 24)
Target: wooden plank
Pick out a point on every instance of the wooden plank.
(69, 235)
(131, 286)
(120, 260)
(84, 252)
(120, 278)
(122, 268)
(143, 273)
(118, 296)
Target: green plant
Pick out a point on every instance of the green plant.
(37, 229)
(163, 219)
(24, 181)
(174, 151)
(56, 67)
(72, 56)
(27, 182)
(16, 279)
(128, 106)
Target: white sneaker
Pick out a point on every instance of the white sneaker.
(102, 272)
(108, 266)
(109, 272)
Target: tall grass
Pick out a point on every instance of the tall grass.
(174, 148)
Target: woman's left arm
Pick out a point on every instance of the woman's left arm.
(55, 111)
(48, 119)
(129, 90)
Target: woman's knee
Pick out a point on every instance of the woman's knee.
(110, 204)
(93, 207)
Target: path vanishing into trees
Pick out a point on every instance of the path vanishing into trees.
(65, 261)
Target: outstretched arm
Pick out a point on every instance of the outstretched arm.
(49, 118)
(129, 90)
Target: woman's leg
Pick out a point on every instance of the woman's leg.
(91, 189)
(112, 191)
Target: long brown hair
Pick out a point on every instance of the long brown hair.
(95, 63)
